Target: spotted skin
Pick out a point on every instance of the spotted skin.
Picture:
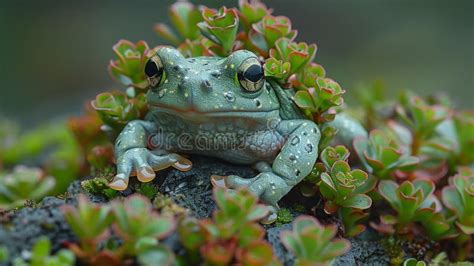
(213, 106)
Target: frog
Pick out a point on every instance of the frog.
(223, 107)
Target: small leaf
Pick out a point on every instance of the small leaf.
(359, 201)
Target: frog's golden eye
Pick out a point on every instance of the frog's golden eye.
(251, 75)
(154, 70)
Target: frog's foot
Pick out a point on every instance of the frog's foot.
(143, 163)
(268, 186)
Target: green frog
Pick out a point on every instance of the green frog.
(222, 107)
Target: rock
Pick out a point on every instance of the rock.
(193, 189)
(29, 224)
(273, 237)
(366, 250)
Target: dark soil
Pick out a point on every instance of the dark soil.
(21, 229)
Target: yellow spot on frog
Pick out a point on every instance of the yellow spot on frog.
(186, 94)
(232, 66)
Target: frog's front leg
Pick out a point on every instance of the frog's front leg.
(294, 162)
(133, 157)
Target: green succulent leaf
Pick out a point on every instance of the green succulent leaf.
(359, 201)
(252, 12)
(278, 69)
(89, 220)
(330, 155)
(128, 69)
(136, 219)
(313, 243)
(220, 26)
(156, 255)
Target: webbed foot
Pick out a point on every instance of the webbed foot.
(143, 163)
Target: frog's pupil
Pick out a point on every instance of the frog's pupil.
(151, 69)
(254, 73)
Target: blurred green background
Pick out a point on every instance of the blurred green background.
(55, 53)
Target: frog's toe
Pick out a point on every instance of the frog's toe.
(230, 181)
(218, 181)
(120, 182)
(271, 218)
(183, 164)
(145, 174)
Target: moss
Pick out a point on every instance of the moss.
(393, 248)
(284, 216)
(146, 189)
(99, 186)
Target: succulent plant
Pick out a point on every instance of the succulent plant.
(412, 202)
(40, 255)
(198, 47)
(330, 155)
(343, 187)
(139, 226)
(327, 135)
(307, 76)
(459, 198)
(278, 69)
(268, 30)
(232, 235)
(464, 124)
(220, 26)
(23, 184)
(421, 118)
(116, 109)
(318, 101)
(313, 243)
(184, 17)
(50, 146)
(413, 262)
(133, 220)
(90, 223)
(351, 219)
(128, 69)
(251, 12)
(87, 130)
(374, 104)
(382, 156)
(297, 54)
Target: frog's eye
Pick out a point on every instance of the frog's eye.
(154, 70)
(251, 75)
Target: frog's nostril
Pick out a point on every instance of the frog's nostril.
(216, 74)
(206, 85)
(180, 69)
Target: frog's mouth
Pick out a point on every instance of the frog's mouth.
(192, 113)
